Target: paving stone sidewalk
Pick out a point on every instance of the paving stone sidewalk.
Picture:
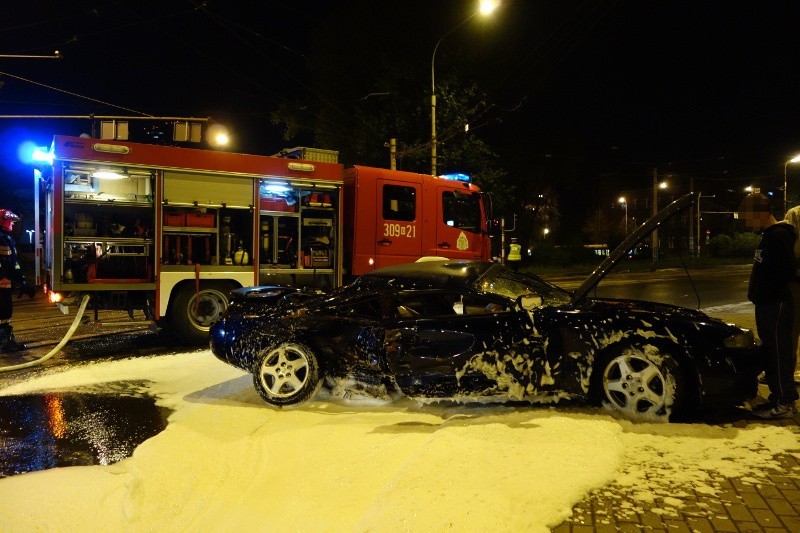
(770, 503)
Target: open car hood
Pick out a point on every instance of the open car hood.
(630, 242)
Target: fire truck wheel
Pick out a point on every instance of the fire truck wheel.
(192, 314)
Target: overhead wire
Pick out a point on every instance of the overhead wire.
(71, 93)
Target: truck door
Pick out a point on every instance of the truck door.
(458, 224)
(399, 238)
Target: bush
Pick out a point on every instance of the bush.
(738, 245)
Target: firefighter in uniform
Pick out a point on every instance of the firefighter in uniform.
(10, 276)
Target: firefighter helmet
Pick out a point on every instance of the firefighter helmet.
(7, 219)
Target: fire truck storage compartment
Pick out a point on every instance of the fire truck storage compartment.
(120, 262)
(207, 219)
(111, 260)
(297, 226)
(108, 219)
(317, 239)
(189, 236)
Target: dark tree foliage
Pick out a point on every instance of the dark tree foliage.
(361, 97)
(600, 228)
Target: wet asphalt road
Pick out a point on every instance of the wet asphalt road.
(85, 427)
(41, 431)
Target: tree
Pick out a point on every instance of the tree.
(599, 227)
(360, 97)
(359, 129)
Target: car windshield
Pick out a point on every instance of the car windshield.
(505, 282)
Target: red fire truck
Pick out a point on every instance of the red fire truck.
(170, 231)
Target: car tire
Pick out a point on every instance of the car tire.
(287, 374)
(190, 322)
(641, 383)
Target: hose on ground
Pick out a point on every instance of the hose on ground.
(60, 345)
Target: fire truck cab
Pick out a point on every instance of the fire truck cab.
(392, 217)
(171, 231)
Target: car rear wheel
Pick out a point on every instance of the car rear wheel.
(642, 384)
(287, 374)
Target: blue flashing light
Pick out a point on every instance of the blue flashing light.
(457, 177)
(28, 153)
(42, 155)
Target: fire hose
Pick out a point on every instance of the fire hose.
(51, 353)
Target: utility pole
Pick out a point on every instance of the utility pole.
(699, 216)
(654, 241)
(393, 153)
(691, 220)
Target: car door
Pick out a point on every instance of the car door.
(352, 335)
(440, 334)
(399, 231)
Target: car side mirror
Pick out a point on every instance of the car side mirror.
(527, 302)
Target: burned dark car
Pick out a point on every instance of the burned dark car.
(477, 331)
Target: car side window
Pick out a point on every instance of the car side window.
(430, 305)
(399, 203)
(473, 305)
(461, 210)
(375, 307)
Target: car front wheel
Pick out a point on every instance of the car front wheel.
(287, 374)
(643, 384)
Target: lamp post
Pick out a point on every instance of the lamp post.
(486, 7)
(656, 186)
(795, 159)
(624, 202)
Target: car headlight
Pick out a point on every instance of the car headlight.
(742, 339)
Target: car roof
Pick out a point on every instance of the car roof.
(427, 274)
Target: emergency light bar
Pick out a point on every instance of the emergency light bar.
(457, 177)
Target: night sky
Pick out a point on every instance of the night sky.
(601, 90)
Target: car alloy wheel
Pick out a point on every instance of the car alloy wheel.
(641, 383)
(286, 374)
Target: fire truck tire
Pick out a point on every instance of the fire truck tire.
(192, 314)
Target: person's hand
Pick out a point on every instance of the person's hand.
(26, 289)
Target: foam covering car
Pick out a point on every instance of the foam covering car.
(477, 331)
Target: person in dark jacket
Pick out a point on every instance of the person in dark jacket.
(10, 277)
(774, 268)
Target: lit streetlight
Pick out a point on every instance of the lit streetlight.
(624, 202)
(485, 8)
(795, 159)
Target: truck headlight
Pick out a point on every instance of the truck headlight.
(742, 339)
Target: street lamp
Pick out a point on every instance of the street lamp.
(654, 235)
(624, 202)
(795, 159)
(485, 7)
(217, 136)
